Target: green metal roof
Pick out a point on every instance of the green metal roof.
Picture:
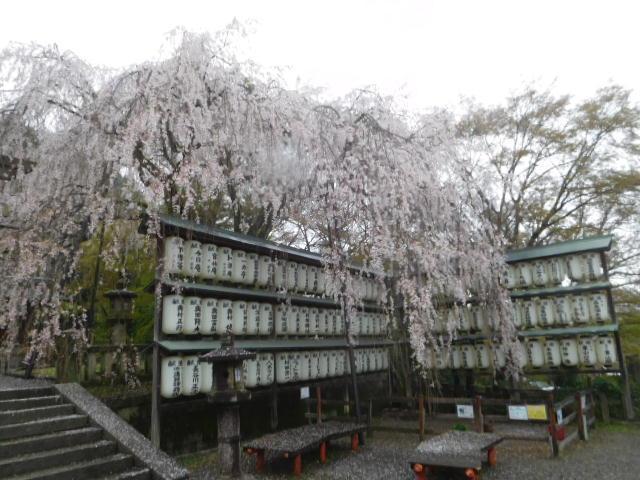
(259, 245)
(258, 295)
(590, 244)
(201, 345)
(542, 292)
(552, 332)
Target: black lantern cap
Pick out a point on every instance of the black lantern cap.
(227, 353)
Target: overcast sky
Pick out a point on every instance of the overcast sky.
(430, 52)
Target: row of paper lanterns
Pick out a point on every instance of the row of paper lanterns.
(216, 316)
(195, 259)
(552, 352)
(186, 375)
(580, 268)
(538, 312)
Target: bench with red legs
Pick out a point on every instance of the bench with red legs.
(292, 443)
(465, 452)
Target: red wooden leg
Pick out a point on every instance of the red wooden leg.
(420, 471)
(297, 465)
(472, 473)
(354, 441)
(260, 460)
(492, 457)
(323, 452)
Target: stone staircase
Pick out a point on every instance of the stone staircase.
(45, 436)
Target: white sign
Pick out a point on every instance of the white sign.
(559, 416)
(464, 411)
(304, 393)
(518, 412)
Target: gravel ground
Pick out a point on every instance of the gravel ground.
(609, 455)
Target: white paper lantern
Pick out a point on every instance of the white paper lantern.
(580, 308)
(266, 368)
(192, 315)
(509, 276)
(529, 314)
(599, 307)
(593, 264)
(314, 321)
(540, 273)
(477, 318)
(454, 357)
(577, 268)
(587, 351)
(253, 318)
(239, 268)
(552, 355)
(283, 367)
(171, 377)
(192, 265)
(324, 321)
(292, 275)
(483, 360)
(557, 270)
(312, 279)
(342, 362)
(546, 312)
(281, 320)
(468, 355)
(240, 317)
(440, 359)
(323, 364)
(280, 274)
(210, 261)
(499, 358)
(535, 354)
(293, 320)
(305, 366)
(314, 368)
(225, 317)
(516, 313)
(209, 322)
(225, 264)
(305, 321)
(321, 284)
(172, 314)
(301, 278)
(250, 372)
(525, 277)
(464, 322)
(253, 265)
(265, 271)
(173, 254)
(569, 352)
(206, 377)
(563, 310)
(295, 366)
(265, 326)
(333, 363)
(190, 375)
(606, 350)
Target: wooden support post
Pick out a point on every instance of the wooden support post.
(553, 424)
(354, 441)
(260, 464)
(582, 423)
(318, 405)
(297, 465)
(492, 457)
(274, 406)
(421, 416)
(604, 407)
(477, 414)
(323, 452)
(592, 408)
(370, 420)
(420, 471)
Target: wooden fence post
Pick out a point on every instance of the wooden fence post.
(604, 407)
(582, 423)
(592, 408)
(421, 416)
(477, 414)
(318, 405)
(553, 424)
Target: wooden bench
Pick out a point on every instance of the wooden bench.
(455, 450)
(292, 443)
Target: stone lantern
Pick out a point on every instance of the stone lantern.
(227, 393)
(120, 311)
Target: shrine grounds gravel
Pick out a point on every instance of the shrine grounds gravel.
(611, 454)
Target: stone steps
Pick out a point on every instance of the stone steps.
(45, 437)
